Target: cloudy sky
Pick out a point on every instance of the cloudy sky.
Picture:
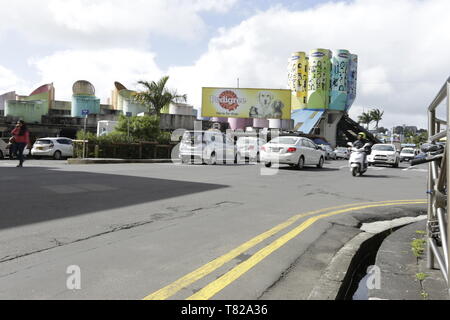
(403, 46)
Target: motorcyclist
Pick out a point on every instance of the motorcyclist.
(360, 143)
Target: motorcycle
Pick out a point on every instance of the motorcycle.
(356, 161)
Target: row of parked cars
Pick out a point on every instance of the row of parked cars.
(212, 147)
(56, 148)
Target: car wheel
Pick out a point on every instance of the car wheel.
(320, 165)
(395, 165)
(239, 159)
(1, 155)
(268, 164)
(213, 159)
(301, 163)
(185, 159)
(57, 155)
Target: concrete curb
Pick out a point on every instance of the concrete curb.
(116, 161)
(336, 275)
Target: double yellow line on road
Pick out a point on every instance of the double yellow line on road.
(216, 286)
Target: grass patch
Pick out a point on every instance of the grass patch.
(421, 276)
(418, 247)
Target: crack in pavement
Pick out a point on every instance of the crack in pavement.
(116, 228)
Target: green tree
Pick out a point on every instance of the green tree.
(365, 118)
(377, 116)
(416, 139)
(156, 96)
(144, 128)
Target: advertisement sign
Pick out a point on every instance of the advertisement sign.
(339, 79)
(319, 79)
(246, 103)
(298, 79)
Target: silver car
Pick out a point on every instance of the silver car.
(294, 151)
(249, 148)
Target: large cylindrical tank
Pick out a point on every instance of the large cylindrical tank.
(128, 105)
(84, 99)
(287, 124)
(352, 81)
(81, 103)
(339, 79)
(260, 123)
(238, 123)
(84, 88)
(275, 124)
(298, 79)
(319, 74)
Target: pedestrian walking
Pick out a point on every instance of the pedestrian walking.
(21, 137)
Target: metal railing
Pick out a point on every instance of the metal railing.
(438, 228)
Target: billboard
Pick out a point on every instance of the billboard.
(246, 103)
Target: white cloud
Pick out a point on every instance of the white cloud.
(100, 23)
(9, 81)
(403, 49)
(100, 67)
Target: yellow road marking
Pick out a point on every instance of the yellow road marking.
(218, 285)
(203, 271)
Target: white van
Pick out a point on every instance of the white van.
(210, 147)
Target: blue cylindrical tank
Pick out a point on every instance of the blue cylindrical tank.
(80, 103)
(339, 79)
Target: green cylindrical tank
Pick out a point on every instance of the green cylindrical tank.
(319, 74)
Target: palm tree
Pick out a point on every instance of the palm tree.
(156, 96)
(365, 118)
(377, 116)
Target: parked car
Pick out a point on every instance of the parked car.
(329, 152)
(3, 151)
(384, 154)
(294, 151)
(342, 153)
(407, 154)
(249, 148)
(57, 148)
(210, 147)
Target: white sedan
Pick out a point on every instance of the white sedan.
(57, 148)
(294, 151)
(342, 153)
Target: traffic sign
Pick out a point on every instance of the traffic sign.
(85, 112)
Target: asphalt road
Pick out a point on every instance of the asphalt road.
(200, 232)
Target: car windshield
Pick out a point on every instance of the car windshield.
(408, 151)
(285, 140)
(44, 142)
(383, 148)
(193, 137)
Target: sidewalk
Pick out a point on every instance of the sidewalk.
(403, 275)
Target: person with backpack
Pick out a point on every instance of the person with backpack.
(21, 137)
